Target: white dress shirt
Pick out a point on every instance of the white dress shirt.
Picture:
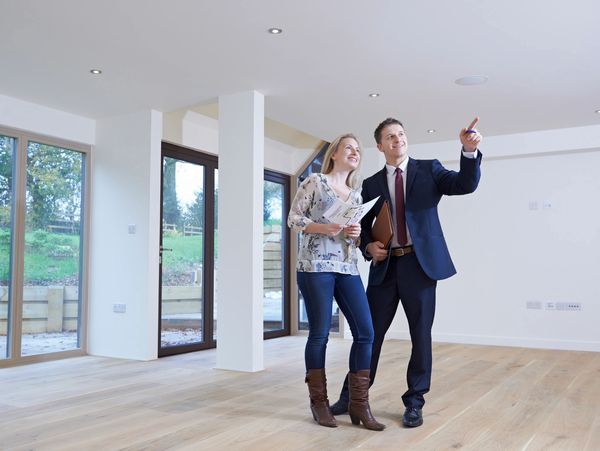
(391, 182)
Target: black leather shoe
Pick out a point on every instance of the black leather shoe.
(340, 407)
(412, 417)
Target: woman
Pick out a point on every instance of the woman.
(327, 268)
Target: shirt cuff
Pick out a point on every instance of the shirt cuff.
(470, 154)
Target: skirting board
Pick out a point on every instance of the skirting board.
(519, 342)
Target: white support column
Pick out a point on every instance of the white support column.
(240, 261)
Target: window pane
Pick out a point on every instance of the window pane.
(182, 295)
(216, 255)
(273, 253)
(7, 153)
(53, 243)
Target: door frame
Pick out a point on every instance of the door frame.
(210, 162)
(284, 180)
(16, 301)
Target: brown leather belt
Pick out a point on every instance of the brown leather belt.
(400, 251)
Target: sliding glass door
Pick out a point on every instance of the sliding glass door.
(42, 258)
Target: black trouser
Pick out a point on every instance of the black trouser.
(405, 281)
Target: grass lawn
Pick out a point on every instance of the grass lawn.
(187, 251)
(49, 257)
(54, 257)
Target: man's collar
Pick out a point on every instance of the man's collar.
(391, 169)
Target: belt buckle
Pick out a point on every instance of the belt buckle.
(399, 252)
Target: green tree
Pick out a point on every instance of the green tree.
(6, 178)
(171, 208)
(194, 215)
(54, 177)
(6, 159)
(272, 199)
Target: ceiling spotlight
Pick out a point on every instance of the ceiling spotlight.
(96, 71)
(597, 111)
(275, 30)
(374, 94)
(471, 80)
(431, 130)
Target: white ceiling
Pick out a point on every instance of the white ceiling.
(542, 58)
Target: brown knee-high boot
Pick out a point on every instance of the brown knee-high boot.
(358, 408)
(319, 404)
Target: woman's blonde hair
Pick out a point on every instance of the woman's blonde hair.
(353, 180)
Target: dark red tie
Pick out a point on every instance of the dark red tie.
(400, 221)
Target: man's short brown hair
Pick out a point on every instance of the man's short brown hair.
(380, 127)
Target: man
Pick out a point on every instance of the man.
(418, 256)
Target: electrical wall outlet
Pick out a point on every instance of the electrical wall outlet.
(119, 308)
(572, 306)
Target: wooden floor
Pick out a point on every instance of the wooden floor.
(482, 398)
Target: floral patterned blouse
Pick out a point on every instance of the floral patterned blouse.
(318, 252)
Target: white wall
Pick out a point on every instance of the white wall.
(202, 132)
(507, 254)
(123, 266)
(42, 120)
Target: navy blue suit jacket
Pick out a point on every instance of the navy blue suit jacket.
(426, 182)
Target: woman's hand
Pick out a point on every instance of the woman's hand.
(331, 229)
(352, 231)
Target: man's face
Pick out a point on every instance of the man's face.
(394, 144)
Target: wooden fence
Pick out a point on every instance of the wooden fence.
(45, 309)
(272, 264)
(191, 230)
(188, 230)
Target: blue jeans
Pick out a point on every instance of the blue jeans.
(318, 290)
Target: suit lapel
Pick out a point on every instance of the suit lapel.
(411, 173)
(383, 186)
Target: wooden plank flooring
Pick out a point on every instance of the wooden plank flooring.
(482, 398)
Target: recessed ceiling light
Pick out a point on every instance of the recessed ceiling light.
(597, 111)
(471, 80)
(374, 94)
(431, 130)
(275, 30)
(96, 71)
